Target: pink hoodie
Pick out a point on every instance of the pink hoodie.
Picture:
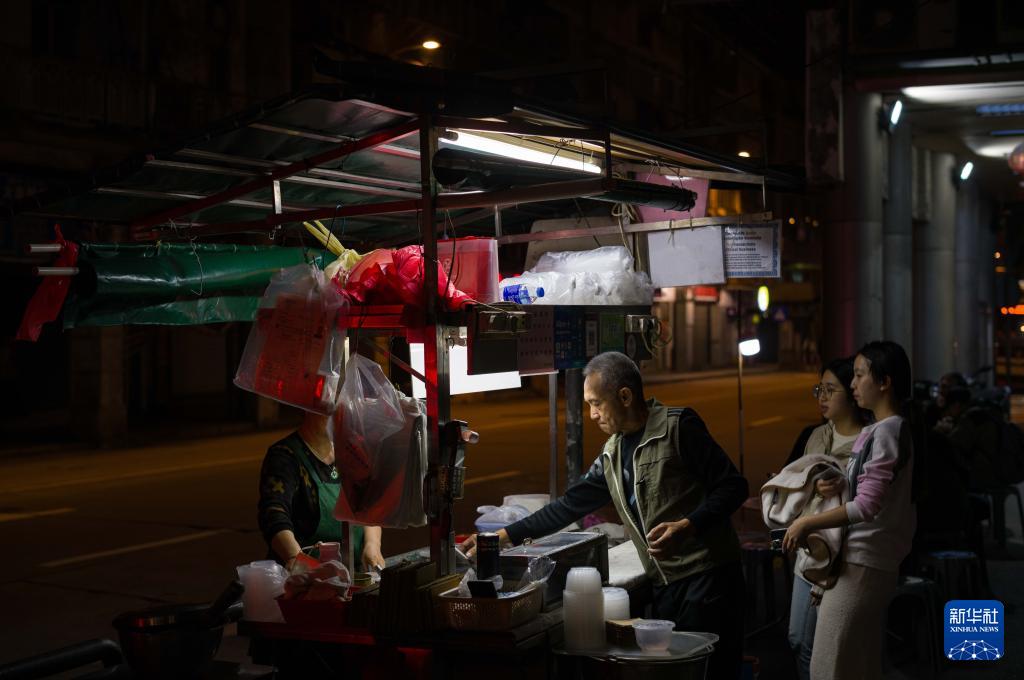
(882, 516)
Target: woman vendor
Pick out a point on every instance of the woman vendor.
(299, 486)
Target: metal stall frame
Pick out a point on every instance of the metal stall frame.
(423, 201)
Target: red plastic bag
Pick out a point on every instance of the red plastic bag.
(48, 300)
(389, 277)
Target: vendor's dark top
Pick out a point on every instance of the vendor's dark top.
(288, 497)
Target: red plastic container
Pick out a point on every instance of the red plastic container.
(474, 270)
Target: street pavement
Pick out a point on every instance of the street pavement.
(92, 533)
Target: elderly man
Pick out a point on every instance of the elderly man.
(674, 489)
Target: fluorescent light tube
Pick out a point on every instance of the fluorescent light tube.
(570, 160)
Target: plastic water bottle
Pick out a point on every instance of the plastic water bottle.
(519, 293)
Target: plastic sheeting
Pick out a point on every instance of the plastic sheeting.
(174, 284)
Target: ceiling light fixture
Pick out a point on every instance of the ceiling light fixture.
(561, 159)
(895, 112)
(990, 146)
(974, 94)
(744, 154)
(431, 44)
(966, 171)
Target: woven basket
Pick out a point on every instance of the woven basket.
(479, 613)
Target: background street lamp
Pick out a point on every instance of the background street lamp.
(747, 348)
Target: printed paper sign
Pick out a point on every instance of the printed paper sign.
(973, 630)
(752, 250)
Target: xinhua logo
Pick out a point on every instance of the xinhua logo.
(974, 630)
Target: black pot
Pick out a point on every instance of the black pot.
(173, 641)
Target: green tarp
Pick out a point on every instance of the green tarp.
(175, 284)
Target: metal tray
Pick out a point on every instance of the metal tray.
(568, 549)
(682, 646)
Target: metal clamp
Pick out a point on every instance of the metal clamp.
(640, 323)
(494, 322)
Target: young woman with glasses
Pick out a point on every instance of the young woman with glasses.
(879, 517)
(844, 421)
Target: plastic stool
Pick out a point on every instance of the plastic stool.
(997, 499)
(925, 627)
(957, 573)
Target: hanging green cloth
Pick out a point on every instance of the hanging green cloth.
(175, 284)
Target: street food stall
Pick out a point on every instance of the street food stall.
(376, 163)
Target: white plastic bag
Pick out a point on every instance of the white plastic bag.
(602, 276)
(294, 351)
(603, 259)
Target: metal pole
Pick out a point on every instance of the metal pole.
(739, 397)
(1008, 346)
(739, 373)
(573, 424)
(435, 360)
(553, 435)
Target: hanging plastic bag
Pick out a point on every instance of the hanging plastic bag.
(294, 351)
(370, 410)
(391, 495)
(392, 277)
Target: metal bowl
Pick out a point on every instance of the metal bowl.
(173, 641)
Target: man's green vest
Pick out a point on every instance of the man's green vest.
(666, 491)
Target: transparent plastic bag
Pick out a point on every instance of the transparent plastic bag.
(370, 411)
(498, 517)
(602, 276)
(294, 351)
(470, 575)
(603, 259)
(538, 571)
(391, 494)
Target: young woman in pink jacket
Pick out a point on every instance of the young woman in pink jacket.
(880, 518)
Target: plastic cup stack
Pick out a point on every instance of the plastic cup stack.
(583, 609)
(263, 581)
(616, 604)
